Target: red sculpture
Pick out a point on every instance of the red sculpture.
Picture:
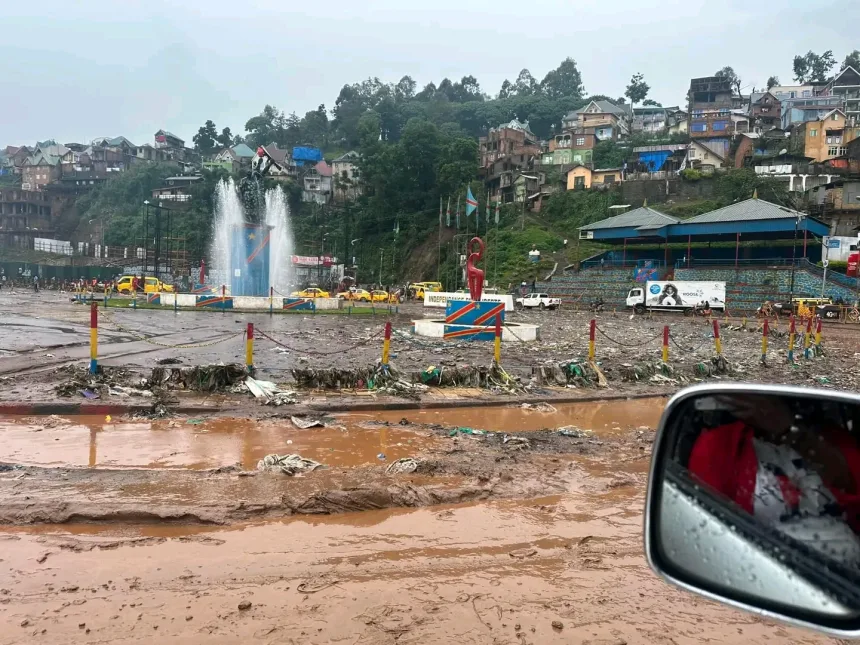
(474, 275)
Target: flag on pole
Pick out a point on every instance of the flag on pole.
(471, 202)
(497, 211)
(458, 212)
(448, 213)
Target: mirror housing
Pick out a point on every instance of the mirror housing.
(751, 501)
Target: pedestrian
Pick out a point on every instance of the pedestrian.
(602, 263)
(36, 283)
(134, 285)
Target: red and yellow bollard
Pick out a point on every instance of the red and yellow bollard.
(792, 334)
(591, 332)
(223, 297)
(94, 338)
(765, 330)
(386, 344)
(666, 343)
(807, 338)
(718, 344)
(497, 342)
(818, 334)
(271, 300)
(249, 347)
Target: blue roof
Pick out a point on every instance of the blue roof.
(751, 219)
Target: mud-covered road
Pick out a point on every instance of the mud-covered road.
(509, 531)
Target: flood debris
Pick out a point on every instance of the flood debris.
(541, 406)
(268, 392)
(77, 380)
(304, 423)
(287, 464)
(574, 432)
(200, 378)
(403, 466)
(384, 379)
(492, 377)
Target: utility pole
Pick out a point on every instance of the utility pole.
(381, 251)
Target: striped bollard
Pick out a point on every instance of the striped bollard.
(94, 338)
(666, 344)
(386, 345)
(175, 302)
(807, 338)
(818, 334)
(271, 300)
(718, 344)
(764, 332)
(591, 331)
(497, 348)
(792, 334)
(223, 297)
(249, 348)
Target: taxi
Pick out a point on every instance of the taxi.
(356, 295)
(310, 292)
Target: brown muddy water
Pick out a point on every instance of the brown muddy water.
(96, 443)
(350, 440)
(603, 417)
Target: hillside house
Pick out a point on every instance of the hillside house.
(346, 183)
(609, 121)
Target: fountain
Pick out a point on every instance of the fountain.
(251, 237)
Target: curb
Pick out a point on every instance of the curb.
(45, 409)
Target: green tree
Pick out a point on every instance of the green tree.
(405, 89)
(267, 127)
(225, 139)
(651, 102)
(637, 90)
(852, 60)
(772, 81)
(313, 128)
(525, 85)
(507, 89)
(206, 139)
(564, 80)
(729, 74)
(812, 67)
(608, 154)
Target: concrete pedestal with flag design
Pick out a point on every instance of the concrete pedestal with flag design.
(471, 320)
(250, 260)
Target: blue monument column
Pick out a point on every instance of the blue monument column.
(250, 260)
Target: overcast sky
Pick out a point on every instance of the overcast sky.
(77, 70)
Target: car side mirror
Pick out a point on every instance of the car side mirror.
(754, 501)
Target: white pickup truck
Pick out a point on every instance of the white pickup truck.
(539, 300)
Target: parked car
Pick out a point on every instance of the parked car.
(379, 296)
(310, 292)
(356, 295)
(539, 300)
(154, 285)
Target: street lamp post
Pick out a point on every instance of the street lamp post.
(145, 238)
(793, 257)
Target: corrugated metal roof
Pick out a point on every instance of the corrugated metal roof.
(643, 217)
(745, 211)
(242, 150)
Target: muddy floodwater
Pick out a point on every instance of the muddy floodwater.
(95, 443)
(600, 416)
(348, 440)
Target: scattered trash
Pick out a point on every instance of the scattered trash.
(269, 392)
(287, 464)
(194, 422)
(108, 418)
(403, 466)
(304, 423)
(381, 456)
(539, 407)
(90, 394)
(515, 442)
(464, 430)
(573, 431)
(169, 361)
(522, 554)
(49, 356)
(245, 605)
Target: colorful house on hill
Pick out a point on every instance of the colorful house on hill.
(583, 178)
(609, 121)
